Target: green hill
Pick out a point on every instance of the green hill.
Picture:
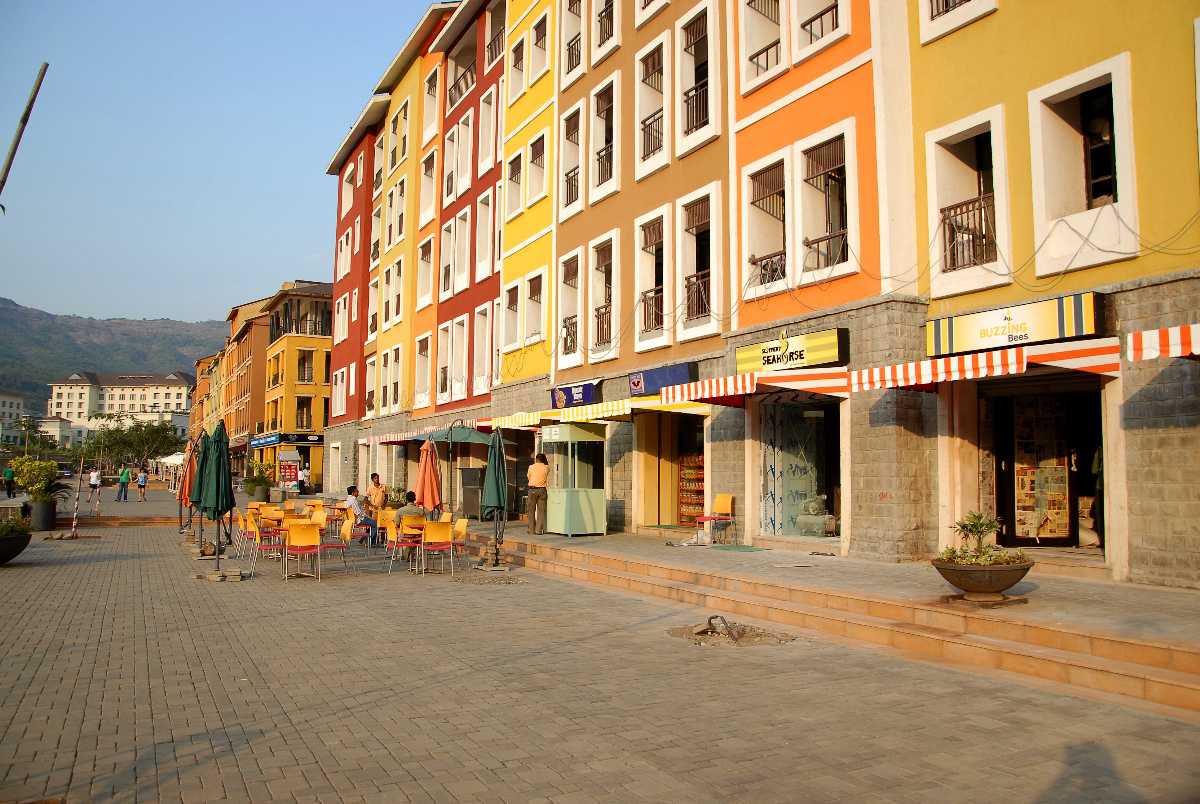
(37, 347)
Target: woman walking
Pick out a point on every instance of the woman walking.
(142, 478)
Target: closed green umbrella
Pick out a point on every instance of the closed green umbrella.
(495, 490)
(217, 498)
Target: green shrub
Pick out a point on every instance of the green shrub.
(39, 478)
(975, 527)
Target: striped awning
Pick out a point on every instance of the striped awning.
(1180, 341)
(1096, 356)
(623, 409)
(526, 419)
(732, 390)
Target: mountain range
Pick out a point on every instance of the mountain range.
(37, 347)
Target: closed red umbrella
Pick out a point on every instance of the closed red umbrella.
(429, 485)
(188, 475)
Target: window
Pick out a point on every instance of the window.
(451, 165)
(372, 309)
(464, 167)
(377, 184)
(397, 299)
(358, 172)
(537, 170)
(823, 204)
(357, 234)
(572, 30)
(338, 390)
(395, 377)
(385, 381)
(429, 108)
(539, 60)
(1084, 200)
(347, 189)
(352, 379)
(376, 233)
(602, 296)
(649, 97)
(481, 360)
(569, 156)
(533, 309)
(495, 33)
(369, 386)
(495, 343)
(343, 255)
(340, 319)
(766, 225)
(569, 303)
(458, 362)
(462, 70)
(512, 317)
(443, 363)
(483, 236)
(429, 188)
(606, 156)
(606, 28)
(462, 250)
(446, 274)
(425, 274)
(393, 157)
(761, 33)
(403, 132)
(940, 17)
(653, 298)
(422, 370)
(694, 251)
(487, 131)
(819, 23)
(516, 71)
(696, 100)
(354, 305)
(397, 198)
(391, 228)
(513, 192)
(644, 10)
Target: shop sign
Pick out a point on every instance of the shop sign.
(651, 381)
(569, 396)
(1050, 320)
(822, 348)
(302, 438)
(268, 440)
(289, 471)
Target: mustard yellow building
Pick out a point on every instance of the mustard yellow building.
(296, 398)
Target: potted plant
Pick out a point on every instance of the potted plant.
(40, 481)
(981, 569)
(258, 481)
(14, 537)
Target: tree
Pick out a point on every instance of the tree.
(123, 438)
(32, 436)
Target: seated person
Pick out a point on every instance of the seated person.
(359, 511)
(410, 507)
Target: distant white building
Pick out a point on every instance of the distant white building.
(12, 410)
(64, 432)
(82, 397)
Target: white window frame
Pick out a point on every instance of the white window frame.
(535, 76)
(641, 341)
(449, 190)
(802, 51)
(643, 15)
(401, 191)
(440, 396)
(370, 377)
(481, 350)
(357, 233)
(511, 341)
(446, 290)
(430, 128)
(422, 399)
(397, 377)
(483, 250)
(523, 42)
(461, 273)
(1089, 237)
(845, 128)
(643, 167)
(354, 305)
(510, 211)
(426, 216)
(565, 211)
(932, 30)
(487, 145)
(597, 193)
(465, 167)
(376, 233)
(460, 358)
(565, 361)
(341, 312)
(746, 84)
(716, 277)
(380, 160)
(342, 264)
(532, 196)
(685, 144)
(358, 174)
(387, 275)
(398, 294)
(528, 338)
(346, 191)
(614, 348)
(372, 296)
(566, 78)
(601, 52)
(975, 277)
(758, 291)
(353, 381)
(487, 27)
(426, 299)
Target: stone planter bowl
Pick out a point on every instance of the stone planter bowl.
(11, 547)
(982, 584)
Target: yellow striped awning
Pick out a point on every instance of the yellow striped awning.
(526, 419)
(623, 409)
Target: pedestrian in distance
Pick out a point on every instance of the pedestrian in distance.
(539, 477)
(142, 478)
(94, 483)
(123, 485)
(10, 482)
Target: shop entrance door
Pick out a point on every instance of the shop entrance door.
(1048, 464)
(800, 467)
(671, 452)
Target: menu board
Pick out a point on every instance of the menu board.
(1040, 465)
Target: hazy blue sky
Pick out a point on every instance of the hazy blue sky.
(175, 162)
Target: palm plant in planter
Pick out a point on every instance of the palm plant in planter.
(981, 569)
(40, 481)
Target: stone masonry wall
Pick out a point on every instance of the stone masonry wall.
(1161, 418)
(347, 436)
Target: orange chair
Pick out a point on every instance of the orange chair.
(412, 527)
(266, 540)
(437, 540)
(722, 513)
(459, 539)
(304, 539)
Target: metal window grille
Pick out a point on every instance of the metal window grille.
(767, 8)
(767, 191)
(652, 133)
(539, 35)
(535, 289)
(695, 107)
(695, 215)
(513, 300)
(652, 69)
(495, 46)
(939, 7)
(571, 272)
(572, 129)
(652, 309)
(605, 28)
(570, 339)
(537, 152)
(431, 85)
(696, 293)
(823, 22)
(695, 34)
(571, 186)
(574, 52)
(825, 170)
(652, 235)
(968, 233)
(518, 57)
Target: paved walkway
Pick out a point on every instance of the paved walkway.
(120, 677)
(1130, 610)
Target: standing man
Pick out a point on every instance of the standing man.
(123, 485)
(303, 478)
(377, 495)
(10, 482)
(359, 512)
(94, 483)
(539, 476)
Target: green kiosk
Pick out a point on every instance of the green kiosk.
(575, 503)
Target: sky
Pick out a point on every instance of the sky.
(175, 162)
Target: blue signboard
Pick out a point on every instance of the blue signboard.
(651, 381)
(268, 440)
(568, 396)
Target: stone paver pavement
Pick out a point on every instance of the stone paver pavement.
(122, 678)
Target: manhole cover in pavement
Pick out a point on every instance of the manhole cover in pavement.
(488, 579)
(704, 635)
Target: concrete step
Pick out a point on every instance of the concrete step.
(1164, 674)
(86, 521)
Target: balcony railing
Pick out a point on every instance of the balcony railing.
(463, 84)
(373, 324)
(304, 422)
(305, 374)
(695, 108)
(764, 58)
(375, 251)
(768, 268)
(826, 250)
(604, 163)
(821, 23)
(652, 309)
(317, 328)
(695, 288)
(449, 189)
(570, 337)
(969, 233)
(604, 31)
(369, 402)
(495, 46)
(604, 325)
(939, 7)
(768, 8)
(652, 134)
(571, 186)
(574, 52)
(378, 180)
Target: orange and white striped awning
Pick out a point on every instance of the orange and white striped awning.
(1180, 341)
(1096, 355)
(732, 390)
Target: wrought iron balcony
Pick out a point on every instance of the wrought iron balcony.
(652, 310)
(696, 292)
(495, 46)
(378, 180)
(463, 84)
(604, 163)
(574, 52)
(375, 251)
(604, 29)
(570, 334)
(764, 58)
(695, 108)
(826, 250)
(305, 374)
(821, 23)
(768, 268)
(938, 8)
(969, 233)
(571, 186)
(652, 134)
(603, 316)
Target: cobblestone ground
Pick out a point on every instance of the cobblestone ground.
(121, 677)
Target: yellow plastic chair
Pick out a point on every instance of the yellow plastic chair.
(411, 532)
(446, 517)
(438, 540)
(304, 539)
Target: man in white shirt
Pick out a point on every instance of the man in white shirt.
(359, 512)
(303, 477)
(93, 484)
